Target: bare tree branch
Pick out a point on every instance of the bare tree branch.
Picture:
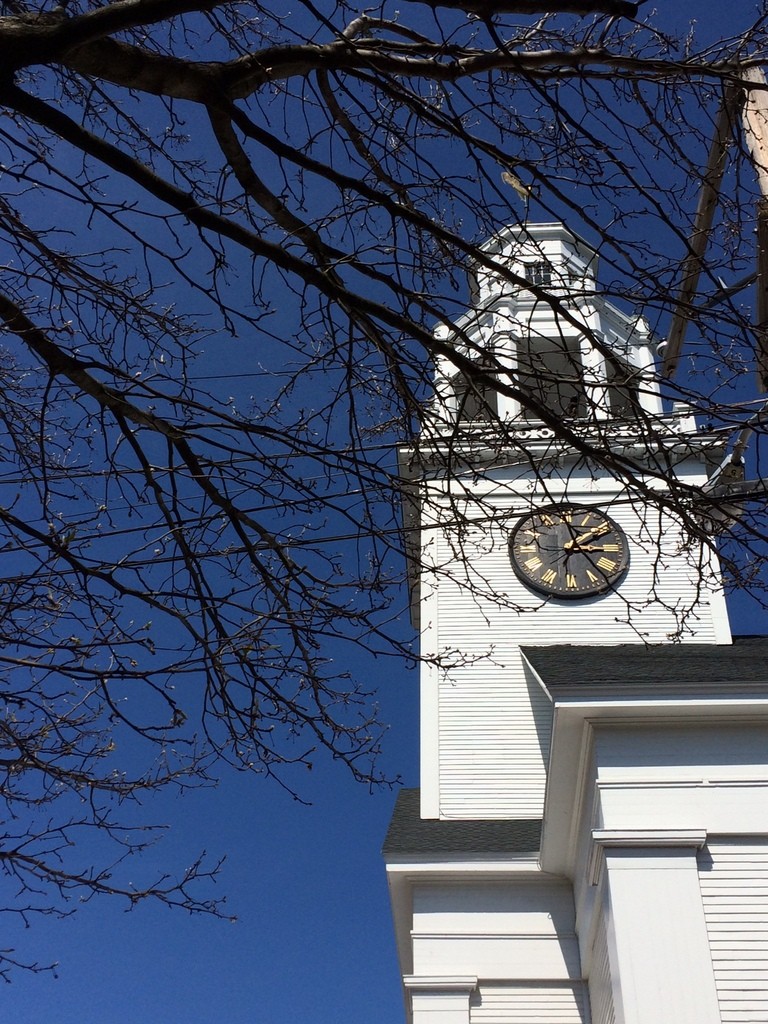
(239, 248)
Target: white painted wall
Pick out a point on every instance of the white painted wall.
(515, 930)
(696, 776)
(493, 946)
(485, 730)
(733, 871)
(534, 1003)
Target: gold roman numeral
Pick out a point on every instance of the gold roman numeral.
(606, 564)
(534, 563)
(591, 577)
(570, 582)
(549, 576)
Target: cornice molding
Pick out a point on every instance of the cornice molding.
(445, 983)
(643, 839)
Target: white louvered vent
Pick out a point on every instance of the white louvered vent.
(532, 1004)
(734, 888)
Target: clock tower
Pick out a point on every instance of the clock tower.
(569, 619)
(519, 537)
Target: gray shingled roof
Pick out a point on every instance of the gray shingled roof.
(408, 834)
(729, 666)
(746, 661)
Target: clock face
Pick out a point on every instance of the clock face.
(569, 551)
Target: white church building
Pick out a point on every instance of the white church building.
(590, 839)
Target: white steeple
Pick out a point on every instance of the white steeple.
(519, 537)
(543, 321)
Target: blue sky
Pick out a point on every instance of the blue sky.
(307, 885)
(313, 940)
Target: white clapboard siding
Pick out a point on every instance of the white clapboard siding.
(529, 1004)
(600, 991)
(493, 724)
(494, 743)
(734, 888)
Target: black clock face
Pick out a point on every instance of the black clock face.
(569, 551)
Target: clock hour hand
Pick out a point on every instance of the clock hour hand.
(578, 542)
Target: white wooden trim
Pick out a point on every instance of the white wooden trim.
(659, 839)
(429, 686)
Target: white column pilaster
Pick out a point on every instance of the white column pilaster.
(661, 966)
(439, 1000)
